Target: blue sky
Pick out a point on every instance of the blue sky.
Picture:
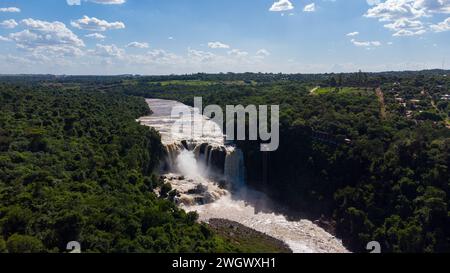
(189, 36)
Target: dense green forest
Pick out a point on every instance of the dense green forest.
(75, 166)
(376, 165)
(369, 150)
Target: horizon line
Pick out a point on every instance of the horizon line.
(216, 73)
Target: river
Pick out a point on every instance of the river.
(210, 177)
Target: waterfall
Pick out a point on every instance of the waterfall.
(213, 157)
(234, 169)
(201, 168)
(187, 164)
(172, 152)
(223, 162)
(207, 154)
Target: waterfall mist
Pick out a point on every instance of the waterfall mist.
(187, 164)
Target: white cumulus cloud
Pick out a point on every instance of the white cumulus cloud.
(10, 9)
(365, 43)
(442, 26)
(104, 2)
(262, 53)
(237, 53)
(9, 24)
(310, 7)
(282, 5)
(95, 24)
(406, 27)
(108, 51)
(4, 39)
(216, 45)
(408, 17)
(95, 35)
(46, 40)
(40, 32)
(352, 34)
(138, 45)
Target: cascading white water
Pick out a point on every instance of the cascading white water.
(234, 169)
(187, 164)
(197, 165)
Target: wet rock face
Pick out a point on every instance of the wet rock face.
(203, 147)
(185, 144)
(194, 191)
(217, 160)
(213, 156)
(199, 189)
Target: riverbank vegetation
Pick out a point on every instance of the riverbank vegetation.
(246, 238)
(76, 166)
